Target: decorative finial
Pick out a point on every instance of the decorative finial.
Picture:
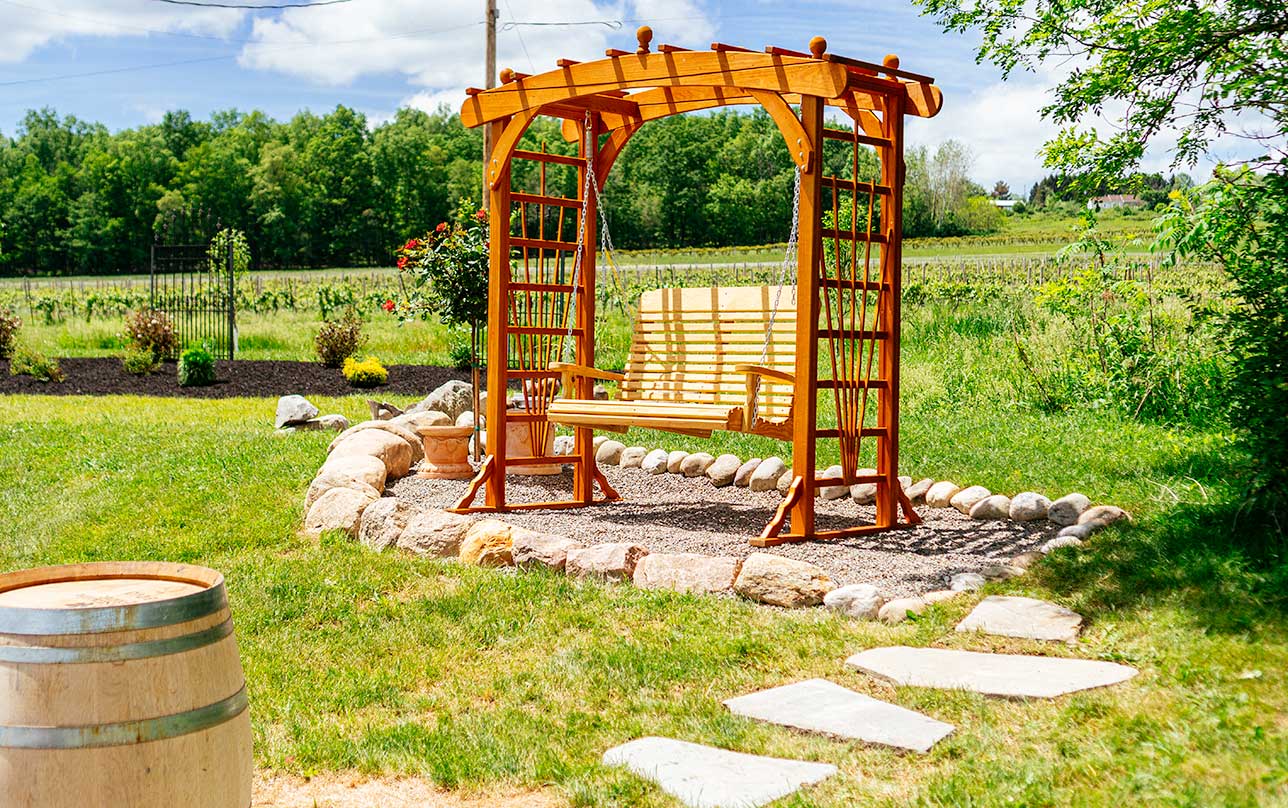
(891, 61)
(507, 75)
(645, 36)
(818, 46)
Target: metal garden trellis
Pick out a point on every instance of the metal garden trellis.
(200, 298)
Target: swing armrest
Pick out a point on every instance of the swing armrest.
(761, 370)
(571, 371)
(753, 372)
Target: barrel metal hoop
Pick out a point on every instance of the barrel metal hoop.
(150, 614)
(126, 732)
(49, 655)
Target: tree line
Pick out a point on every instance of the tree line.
(331, 190)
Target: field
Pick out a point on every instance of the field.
(492, 683)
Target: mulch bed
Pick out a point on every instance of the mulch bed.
(250, 378)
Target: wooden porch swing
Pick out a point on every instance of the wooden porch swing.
(703, 359)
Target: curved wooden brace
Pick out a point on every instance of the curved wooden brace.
(505, 144)
(612, 147)
(735, 70)
(799, 144)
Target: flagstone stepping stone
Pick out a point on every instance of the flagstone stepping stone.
(707, 777)
(817, 705)
(1029, 618)
(1010, 675)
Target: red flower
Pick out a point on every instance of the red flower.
(402, 262)
(388, 306)
(441, 227)
(481, 215)
(411, 245)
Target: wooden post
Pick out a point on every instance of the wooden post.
(498, 332)
(892, 171)
(489, 81)
(808, 260)
(584, 440)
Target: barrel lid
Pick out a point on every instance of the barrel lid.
(107, 596)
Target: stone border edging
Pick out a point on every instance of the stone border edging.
(347, 493)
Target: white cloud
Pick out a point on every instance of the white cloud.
(24, 27)
(444, 51)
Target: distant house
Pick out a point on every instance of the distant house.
(1005, 204)
(1115, 201)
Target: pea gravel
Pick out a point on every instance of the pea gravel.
(668, 513)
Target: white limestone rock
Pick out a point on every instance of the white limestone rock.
(696, 464)
(966, 498)
(686, 572)
(1067, 509)
(383, 522)
(899, 609)
(742, 478)
(434, 533)
(674, 460)
(997, 506)
(1029, 506)
(292, 410)
(940, 495)
(337, 509)
(860, 601)
(612, 562)
(765, 477)
(723, 469)
(632, 457)
(609, 452)
(655, 461)
(781, 581)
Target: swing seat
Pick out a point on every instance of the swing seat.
(695, 366)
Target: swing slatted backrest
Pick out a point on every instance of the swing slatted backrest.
(687, 343)
(682, 371)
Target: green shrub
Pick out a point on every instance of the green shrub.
(367, 373)
(139, 363)
(196, 367)
(337, 340)
(9, 325)
(460, 355)
(152, 331)
(26, 362)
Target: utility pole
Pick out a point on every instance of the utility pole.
(489, 81)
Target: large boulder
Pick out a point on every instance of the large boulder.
(1067, 509)
(723, 469)
(655, 461)
(529, 548)
(390, 449)
(383, 522)
(488, 543)
(742, 477)
(326, 480)
(1029, 506)
(765, 477)
(781, 581)
(417, 421)
(917, 491)
(450, 398)
(368, 469)
(966, 498)
(674, 460)
(696, 464)
(613, 562)
(337, 509)
(1102, 515)
(434, 533)
(632, 457)
(940, 495)
(292, 410)
(997, 506)
(609, 453)
(861, 601)
(899, 609)
(833, 491)
(392, 427)
(686, 572)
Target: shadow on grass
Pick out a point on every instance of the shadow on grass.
(1224, 564)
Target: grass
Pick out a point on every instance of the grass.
(486, 680)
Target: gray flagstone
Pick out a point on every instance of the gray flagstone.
(992, 674)
(1028, 618)
(818, 705)
(707, 777)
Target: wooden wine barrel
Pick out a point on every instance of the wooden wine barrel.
(120, 685)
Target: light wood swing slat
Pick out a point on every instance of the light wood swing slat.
(702, 359)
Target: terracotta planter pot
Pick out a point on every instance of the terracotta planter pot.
(447, 453)
(518, 443)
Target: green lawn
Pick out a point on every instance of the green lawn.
(485, 680)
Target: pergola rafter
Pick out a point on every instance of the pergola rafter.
(539, 312)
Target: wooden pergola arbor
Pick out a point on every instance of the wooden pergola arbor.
(542, 286)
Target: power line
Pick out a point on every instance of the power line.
(519, 34)
(311, 4)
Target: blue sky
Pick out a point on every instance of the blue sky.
(377, 55)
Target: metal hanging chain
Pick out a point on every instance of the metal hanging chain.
(581, 239)
(789, 258)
